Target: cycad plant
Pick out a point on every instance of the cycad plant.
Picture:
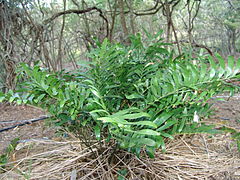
(137, 95)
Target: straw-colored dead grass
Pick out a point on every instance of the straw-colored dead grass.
(187, 157)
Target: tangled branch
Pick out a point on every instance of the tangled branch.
(77, 11)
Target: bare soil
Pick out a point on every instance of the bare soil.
(11, 115)
(228, 111)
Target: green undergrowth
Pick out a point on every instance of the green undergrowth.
(4, 157)
(136, 95)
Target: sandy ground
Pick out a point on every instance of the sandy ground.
(20, 113)
(227, 111)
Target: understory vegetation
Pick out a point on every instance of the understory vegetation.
(134, 97)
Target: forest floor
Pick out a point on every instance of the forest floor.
(12, 115)
(227, 113)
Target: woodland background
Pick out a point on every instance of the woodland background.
(60, 32)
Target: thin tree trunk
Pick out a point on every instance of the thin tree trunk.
(176, 38)
(113, 16)
(60, 50)
(85, 20)
(234, 41)
(168, 16)
(123, 21)
(132, 17)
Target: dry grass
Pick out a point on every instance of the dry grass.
(187, 157)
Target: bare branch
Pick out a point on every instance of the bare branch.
(149, 13)
(77, 11)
